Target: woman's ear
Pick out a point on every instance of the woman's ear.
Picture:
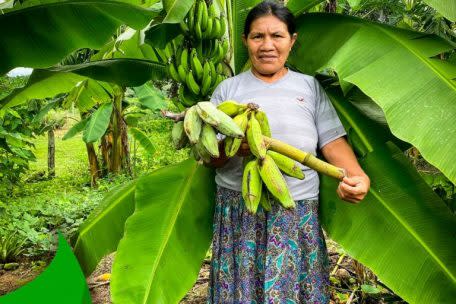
(293, 38)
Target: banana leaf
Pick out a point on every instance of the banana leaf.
(395, 68)
(297, 7)
(61, 282)
(402, 230)
(240, 9)
(167, 237)
(176, 10)
(160, 34)
(445, 7)
(98, 123)
(143, 140)
(78, 127)
(53, 81)
(150, 97)
(40, 36)
(99, 235)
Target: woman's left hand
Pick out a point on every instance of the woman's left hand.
(353, 189)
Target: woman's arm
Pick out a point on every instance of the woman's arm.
(355, 186)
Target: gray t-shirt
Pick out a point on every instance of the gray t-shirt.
(299, 113)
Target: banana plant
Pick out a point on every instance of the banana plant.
(397, 69)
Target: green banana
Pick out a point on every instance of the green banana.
(274, 181)
(208, 113)
(265, 201)
(222, 27)
(204, 16)
(198, 32)
(191, 83)
(208, 30)
(231, 107)
(264, 123)
(255, 138)
(232, 145)
(219, 68)
(213, 73)
(184, 60)
(216, 28)
(286, 165)
(206, 83)
(182, 73)
(228, 127)
(173, 72)
(191, 17)
(226, 46)
(209, 140)
(251, 186)
(211, 10)
(202, 152)
(185, 97)
(178, 135)
(197, 67)
(192, 125)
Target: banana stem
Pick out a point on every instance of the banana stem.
(304, 158)
(174, 116)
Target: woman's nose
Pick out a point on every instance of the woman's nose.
(267, 44)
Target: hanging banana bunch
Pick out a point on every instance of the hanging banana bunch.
(195, 59)
(262, 171)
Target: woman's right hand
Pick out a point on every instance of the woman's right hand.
(244, 149)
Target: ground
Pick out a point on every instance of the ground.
(344, 279)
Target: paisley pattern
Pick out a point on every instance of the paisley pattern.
(271, 257)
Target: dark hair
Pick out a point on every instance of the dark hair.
(270, 8)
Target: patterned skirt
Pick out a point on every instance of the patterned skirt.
(271, 257)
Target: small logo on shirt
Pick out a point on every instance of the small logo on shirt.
(300, 99)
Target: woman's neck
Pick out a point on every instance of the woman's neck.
(270, 77)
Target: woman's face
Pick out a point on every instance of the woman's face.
(269, 44)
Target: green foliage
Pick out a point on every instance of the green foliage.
(11, 246)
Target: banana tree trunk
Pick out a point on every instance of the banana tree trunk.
(105, 149)
(116, 122)
(51, 153)
(93, 162)
(126, 163)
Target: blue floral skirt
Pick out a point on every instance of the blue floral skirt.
(271, 257)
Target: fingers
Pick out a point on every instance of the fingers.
(352, 189)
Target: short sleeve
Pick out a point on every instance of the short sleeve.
(217, 96)
(328, 124)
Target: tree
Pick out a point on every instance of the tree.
(370, 66)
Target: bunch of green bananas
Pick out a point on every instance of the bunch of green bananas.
(198, 129)
(198, 76)
(203, 22)
(264, 166)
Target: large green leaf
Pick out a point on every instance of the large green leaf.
(40, 36)
(240, 9)
(297, 7)
(143, 140)
(167, 237)
(125, 72)
(176, 10)
(50, 82)
(98, 123)
(150, 97)
(41, 84)
(100, 234)
(394, 67)
(61, 282)
(78, 127)
(402, 230)
(160, 34)
(445, 7)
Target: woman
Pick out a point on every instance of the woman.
(278, 256)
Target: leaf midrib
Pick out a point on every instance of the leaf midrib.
(170, 231)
